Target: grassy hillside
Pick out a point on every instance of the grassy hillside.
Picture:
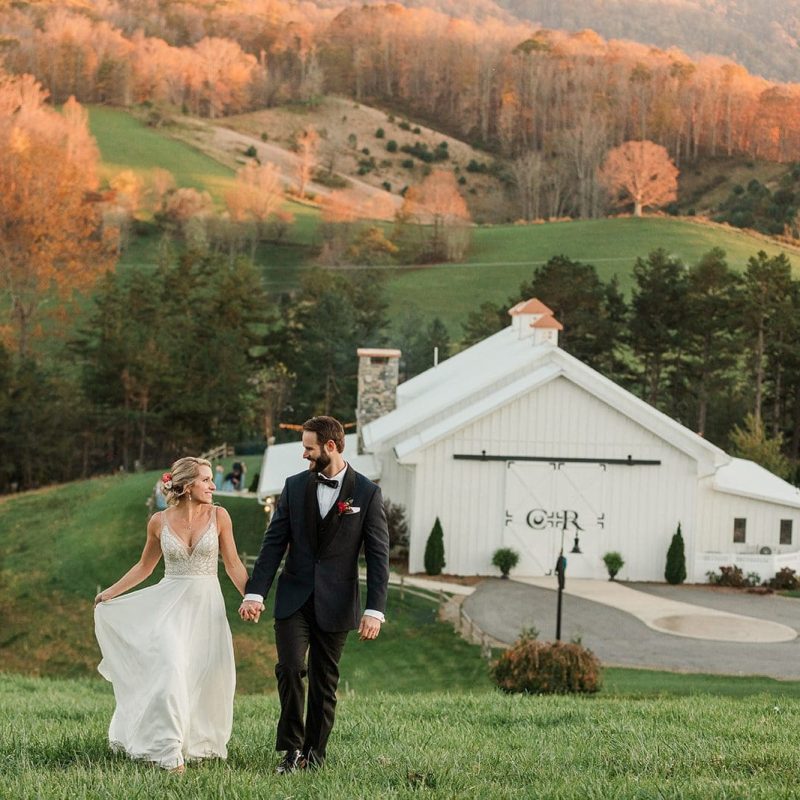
(501, 256)
(58, 546)
(53, 745)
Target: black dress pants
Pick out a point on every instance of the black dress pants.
(293, 637)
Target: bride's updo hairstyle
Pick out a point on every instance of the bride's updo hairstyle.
(180, 477)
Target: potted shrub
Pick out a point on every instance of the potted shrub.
(614, 563)
(505, 559)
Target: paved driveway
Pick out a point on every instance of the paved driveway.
(503, 608)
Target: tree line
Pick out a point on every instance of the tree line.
(193, 352)
(508, 87)
(715, 349)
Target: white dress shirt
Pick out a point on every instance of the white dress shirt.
(326, 497)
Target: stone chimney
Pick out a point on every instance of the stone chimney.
(533, 319)
(378, 372)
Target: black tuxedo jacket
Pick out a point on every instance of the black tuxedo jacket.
(323, 554)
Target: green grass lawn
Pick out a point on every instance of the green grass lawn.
(504, 256)
(436, 745)
(127, 143)
(57, 546)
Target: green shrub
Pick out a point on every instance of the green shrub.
(614, 563)
(475, 166)
(397, 524)
(380, 133)
(534, 667)
(434, 550)
(331, 179)
(391, 146)
(264, 136)
(251, 151)
(408, 163)
(675, 572)
(386, 185)
(505, 559)
(405, 126)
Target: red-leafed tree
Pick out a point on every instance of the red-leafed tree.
(642, 173)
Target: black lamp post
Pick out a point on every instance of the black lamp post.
(561, 568)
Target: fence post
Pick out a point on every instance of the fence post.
(402, 587)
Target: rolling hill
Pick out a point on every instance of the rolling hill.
(500, 258)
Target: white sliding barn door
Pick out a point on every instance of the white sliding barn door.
(551, 502)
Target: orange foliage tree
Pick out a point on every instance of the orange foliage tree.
(640, 172)
(307, 144)
(256, 197)
(49, 247)
(440, 215)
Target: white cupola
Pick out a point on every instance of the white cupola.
(532, 318)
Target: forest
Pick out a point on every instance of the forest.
(104, 368)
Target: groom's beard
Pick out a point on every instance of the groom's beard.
(321, 463)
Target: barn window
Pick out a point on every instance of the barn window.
(786, 531)
(739, 529)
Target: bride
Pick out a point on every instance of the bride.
(167, 649)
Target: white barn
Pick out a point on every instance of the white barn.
(515, 443)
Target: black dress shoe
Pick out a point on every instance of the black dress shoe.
(293, 760)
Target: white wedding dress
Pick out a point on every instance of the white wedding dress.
(167, 650)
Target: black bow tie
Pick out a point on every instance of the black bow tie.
(327, 481)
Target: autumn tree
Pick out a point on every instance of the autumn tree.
(440, 218)
(307, 144)
(48, 247)
(256, 197)
(640, 172)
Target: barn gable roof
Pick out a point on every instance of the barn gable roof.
(491, 374)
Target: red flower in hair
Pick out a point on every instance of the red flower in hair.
(166, 480)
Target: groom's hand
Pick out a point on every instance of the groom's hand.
(250, 610)
(370, 627)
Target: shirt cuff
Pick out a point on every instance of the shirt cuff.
(369, 612)
(259, 598)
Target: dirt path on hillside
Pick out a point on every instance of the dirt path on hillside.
(228, 147)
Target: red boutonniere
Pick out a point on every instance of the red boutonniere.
(344, 506)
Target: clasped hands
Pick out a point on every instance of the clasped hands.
(250, 610)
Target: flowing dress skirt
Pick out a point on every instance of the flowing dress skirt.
(167, 650)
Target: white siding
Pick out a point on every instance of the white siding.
(643, 503)
(716, 512)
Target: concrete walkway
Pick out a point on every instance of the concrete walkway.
(628, 637)
(673, 616)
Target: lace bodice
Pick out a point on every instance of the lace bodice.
(179, 560)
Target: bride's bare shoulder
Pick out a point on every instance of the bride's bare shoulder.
(223, 517)
(155, 523)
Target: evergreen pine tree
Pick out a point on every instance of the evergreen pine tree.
(434, 550)
(676, 560)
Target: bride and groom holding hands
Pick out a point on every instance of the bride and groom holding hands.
(167, 649)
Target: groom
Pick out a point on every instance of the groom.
(324, 516)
